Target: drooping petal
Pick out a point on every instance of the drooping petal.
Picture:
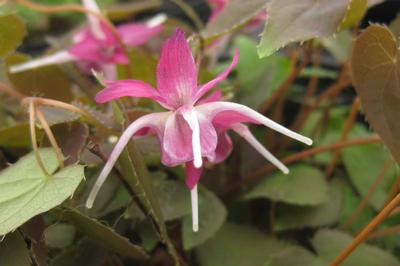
(193, 175)
(245, 133)
(53, 59)
(211, 84)
(178, 138)
(217, 6)
(135, 34)
(94, 22)
(241, 113)
(224, 147)
(177, 71)
(133, 88)
(153, 121)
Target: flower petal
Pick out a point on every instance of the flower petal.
(245, 114)
(211, 84)
(94, 22)
(135, 34)
(178, 141)
(133, 88)
(213, 97)
(177, 71)
(153, 121)
(245, 133)
(193, 175)
(224, 147)
(56, 58)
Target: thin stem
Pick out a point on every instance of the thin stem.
(13, 93)
(355, 107)
(32, 115)
(89, 117)
(367, 196)
(301, 155)
(190, 13)
(365, 232)
(393, 191)
(51, 137)
(384, 232)
(281, 90)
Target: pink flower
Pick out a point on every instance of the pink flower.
(195, 127)
(97, 47)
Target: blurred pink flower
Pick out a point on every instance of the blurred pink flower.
(97, 47)
(194, 127)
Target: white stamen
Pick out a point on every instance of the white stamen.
(195, 209)
(191, 118)
(245, 133)
(94, 22)
(156, 20)
(56, 58)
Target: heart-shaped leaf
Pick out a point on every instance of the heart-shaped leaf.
(375, 70)
(12, 31)
(293, 21)
(25, 191)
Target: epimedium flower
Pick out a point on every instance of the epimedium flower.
(194, 127)
(97, 47)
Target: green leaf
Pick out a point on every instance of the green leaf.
(13, 251)
(234, 14)
(294, 256)
(102, 234)
(49, 81)
(294, 21)
(364, 163)
(174, 198)
(304, 185)
(238, 245)
(329, 243)
(294, 217)
(375, 71)
(339, 45)
(317, 72)
(258, 78)
(59, 235)
(355, 12)
(12, 32)
(17, 136)
(212, 215)
(25, 191)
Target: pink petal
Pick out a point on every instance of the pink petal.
(213, 97)
(193, 175)
(135, 34)
(153, 121)
(224, 147)
(89, 48)
(94, 22)
(177, 141)
(177, 71)
(133, 88)
(211, 84)
(240, 113)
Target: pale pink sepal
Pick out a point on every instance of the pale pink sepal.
(56, 58)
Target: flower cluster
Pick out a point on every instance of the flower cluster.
(97, 47)
(194, 127)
